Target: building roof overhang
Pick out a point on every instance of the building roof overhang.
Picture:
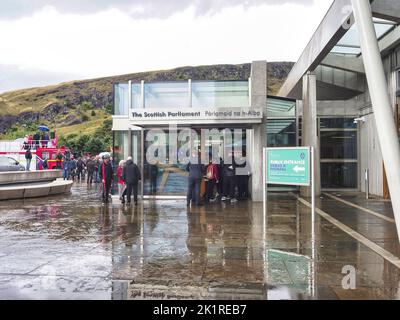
(335, 44)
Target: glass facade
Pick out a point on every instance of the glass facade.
(339, 145)
(338, 135)
(121, 146)
(278, 108)
(181, 94)
(281, 127)
(121, 99)
(166, 95)
(220, 94)
(339, 153)
(281, 124)
(281, 132)
(339, 175)
(161, 178)
(136, 95)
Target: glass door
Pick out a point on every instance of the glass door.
(160, 177)
(339, 153)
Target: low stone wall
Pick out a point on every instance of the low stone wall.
(9, 178)
(22, 191)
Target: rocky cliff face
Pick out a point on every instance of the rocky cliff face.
(61, 105)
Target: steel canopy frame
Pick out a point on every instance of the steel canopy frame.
(374, 70)
(338, 20)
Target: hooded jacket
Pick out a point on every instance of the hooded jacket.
(131, 173)
(195, 169)
(106, 172)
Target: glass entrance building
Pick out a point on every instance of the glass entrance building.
(244, 118)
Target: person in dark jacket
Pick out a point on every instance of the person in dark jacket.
(59, 159)
(97, 164)
(36, 140)
(28, 157)
(80, 165)
(196, 170)
(242, 177)
(45, 140)
(220, 183)
(131, 177)
(90, 164)
(106, 177)
(153, 178)
(45, 164)
(229, 181)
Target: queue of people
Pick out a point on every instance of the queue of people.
(206, 183)
(222, 181)
(77, 168)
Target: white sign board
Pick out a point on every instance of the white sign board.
(190, 114)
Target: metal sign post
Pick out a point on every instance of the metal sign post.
(312, 186)
(312, 286)
(265, 198)
(293, 167)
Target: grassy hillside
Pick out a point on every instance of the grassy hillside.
(80, 107)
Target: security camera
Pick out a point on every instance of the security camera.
(359, 120)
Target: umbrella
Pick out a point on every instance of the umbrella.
(43, 128)
(102, 154)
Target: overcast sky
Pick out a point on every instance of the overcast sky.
(50, 41)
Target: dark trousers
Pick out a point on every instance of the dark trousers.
(153, 185)
(79, 174)
(128, 191)
(243, 186)
(90, 176)
(220, 188)
(106, 191)
(194, 190)
(229, 186)
(210, 184)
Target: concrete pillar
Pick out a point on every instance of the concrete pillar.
(310, 128)
(258, 100)
(378, 89)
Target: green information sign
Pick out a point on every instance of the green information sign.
(288, 166)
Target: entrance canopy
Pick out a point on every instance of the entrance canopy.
(334, 51)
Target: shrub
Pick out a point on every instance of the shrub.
(108, 108)
(95, 145)
(86, 105)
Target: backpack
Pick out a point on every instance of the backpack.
(210, 175)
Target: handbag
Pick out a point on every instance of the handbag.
(210, 173)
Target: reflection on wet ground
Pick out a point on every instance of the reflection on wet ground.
(71, 247)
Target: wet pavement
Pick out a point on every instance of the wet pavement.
(71, 247)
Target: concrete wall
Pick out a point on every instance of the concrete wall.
(29, 176)
(44, 189)
(370, 156)
(334, 109)
(369, 150)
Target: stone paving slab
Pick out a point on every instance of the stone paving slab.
(162, 249)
